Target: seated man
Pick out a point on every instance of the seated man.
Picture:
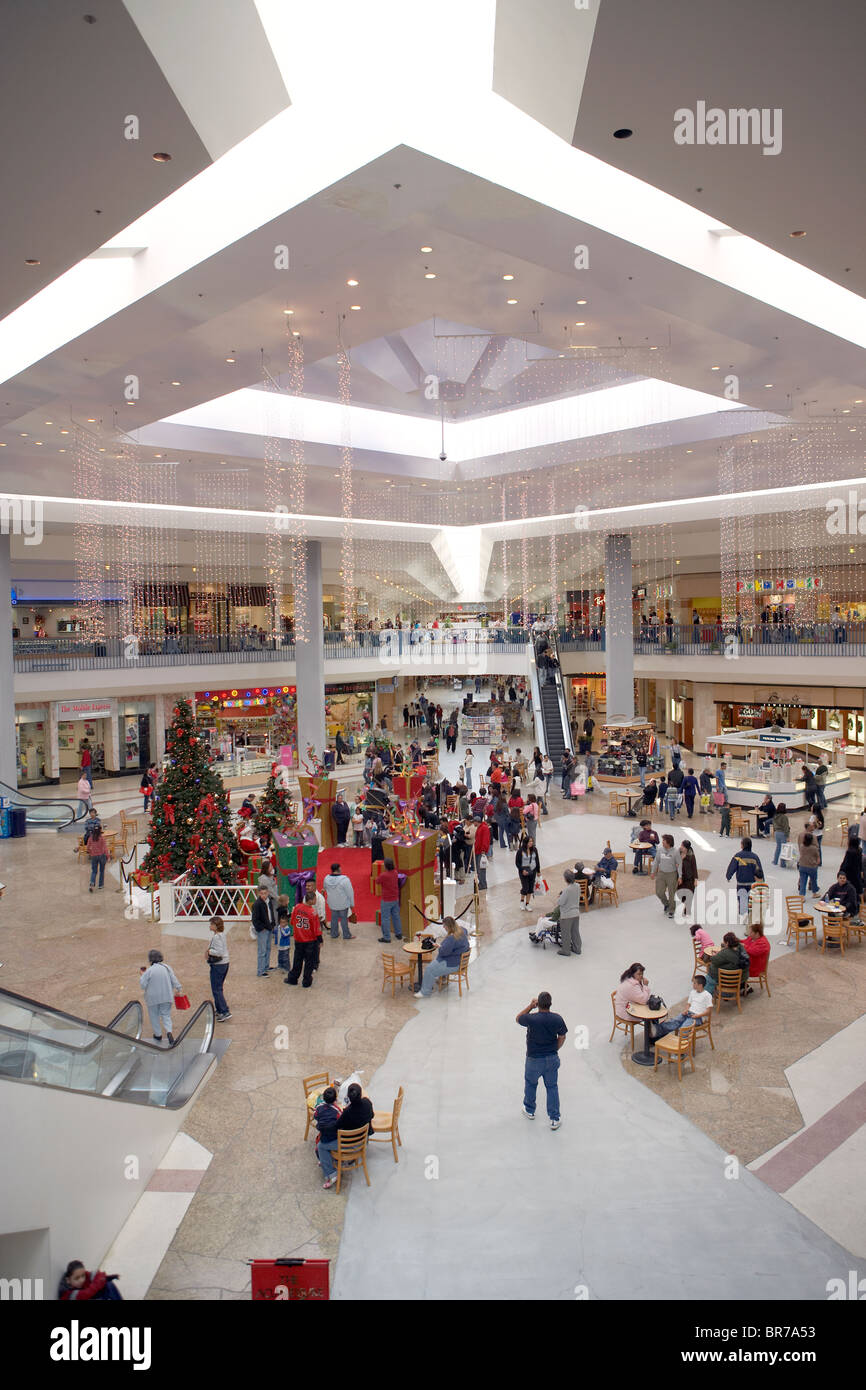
(845, 894)
(700, 1003)
(644, 845)
(606, 866)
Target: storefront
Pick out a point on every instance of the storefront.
(162, 610)
(77, 721)
(588, 693)
(349, 709)
(31, 741)
(244, 725)
(135, 734)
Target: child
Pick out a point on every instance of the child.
(725, 827)
(326, 1115)
(284, 934)
(358, 827)
(78, 1283)
(703, 940)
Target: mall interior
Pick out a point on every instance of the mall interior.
(444, 398)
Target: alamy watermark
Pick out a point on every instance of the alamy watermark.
(846, 516)
(22, 516)
(711, 125)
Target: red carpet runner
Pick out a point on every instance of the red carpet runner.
(355, 864)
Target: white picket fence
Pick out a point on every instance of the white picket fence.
(179, 901)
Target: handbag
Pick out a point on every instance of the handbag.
(718, 798)
(655, 1002)
(181, 1001)
(353, 916)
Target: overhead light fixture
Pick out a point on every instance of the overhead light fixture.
(91, 419)
(582, 324)
(581, 301)
(351, 282)
(175, 383)
(623, 133)
(49, 422)
(354, 306)
(767, 385)
(230, 359)
(31, 261)
(288, 311)
(796, 234)
(860, 402)
(37, 441)
(715, 369)
(511, 301)
(425, 249)
(430, 275)
(508, 277)
(296, 332)
(64, 431)
(690, 451)
(25, 436)
(161, 157)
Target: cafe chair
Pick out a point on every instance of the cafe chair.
(703, 1028)
(607, 895)
(461, 974)
(799, 922)
(673, 1047)
(394, 970)
(759, 902)
(386, 1126)
(311, 1085)
(613, 803)
(351, 1152)
(843, 833)
(739, 826)
(729, 988)
(624, 1025)
(584, 894)
(619, 856)
(760, 980)
(858, 930)
(834, 928)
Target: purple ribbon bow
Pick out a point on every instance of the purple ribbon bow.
(299, 879)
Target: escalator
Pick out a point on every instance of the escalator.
(43, 1046)
(44, 813)
(554, 732)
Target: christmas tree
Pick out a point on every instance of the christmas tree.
(273, 808)
(189, 784)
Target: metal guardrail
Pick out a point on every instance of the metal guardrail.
(706, 639)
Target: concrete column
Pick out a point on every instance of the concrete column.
(703, 715)
(8, 760)
(52, 743)
(310, 657)
(112, 742)
(157, 741)
(619, 644)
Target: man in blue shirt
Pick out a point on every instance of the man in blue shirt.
(545, 1035)
(747, 868)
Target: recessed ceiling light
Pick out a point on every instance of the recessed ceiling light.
(354, 306)
(61, 451)
(296, 332)
(757, 557)
(690, 451)
(430, 275)
(767, 385)
(582, 324)
(37, 441)
(91, 419)
(288, 311)
(2, 444)
(230, 359)
(49, 422)
(175, 383)
(860, 402)
(64, 431)
(677, 563)
(715, 369)
(796, 234)
(25, 436)
(351, 282)
(623, 133)
(161, 157)
(508, 277)
(102, 451)
(31, 261)
(581, 301)
(511, 301)
(654, 348)
(425, 249)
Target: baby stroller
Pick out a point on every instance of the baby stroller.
(546, 930)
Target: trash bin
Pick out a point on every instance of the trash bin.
(5, 823)
(18, 821)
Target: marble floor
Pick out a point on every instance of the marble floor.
(481, 1204)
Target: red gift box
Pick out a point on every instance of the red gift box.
(408, 787)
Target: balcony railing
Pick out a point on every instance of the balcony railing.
(391, 646)
(754, 639)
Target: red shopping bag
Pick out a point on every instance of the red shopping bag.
(181, 1001)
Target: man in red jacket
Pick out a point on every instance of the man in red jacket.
(307, 931)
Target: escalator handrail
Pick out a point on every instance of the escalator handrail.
(99, 1027)
(20, 801)
(134, 1004)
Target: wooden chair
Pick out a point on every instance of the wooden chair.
(834, 928)
(351, 1152)
(703, 1028)
(729, 988)
(856, 929)
(386, 1123)
(613, 803)
(311, 1085)
(608, 895)
(619, 856)
(584, 894)
(673, 1047)
(799, 922)
(843, 833)
(761, 979)
(461, 974)
(739, 825)
(759, 901)
(625, 1025)
(394, 970)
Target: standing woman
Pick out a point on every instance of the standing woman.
(217, 957)
(160, 985)
(97, 848)
(501, 818)
(467, 763)
(688, 880)
(569, 916)
(528, 867)
(781, 829)
(815, 826)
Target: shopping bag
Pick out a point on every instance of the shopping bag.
(718, 798)
(181, 1001)
(705, 799)
(578, 788)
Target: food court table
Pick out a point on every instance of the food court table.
(417, 951)
(646, 1057)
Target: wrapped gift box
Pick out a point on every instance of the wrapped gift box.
(296, 854)
(324, 790)
(417, 860)
(407, 787)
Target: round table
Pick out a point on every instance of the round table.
(418, 952)
(646, 1057)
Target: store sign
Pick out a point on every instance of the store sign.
(351, 688)
(768, 586)
(774, 738)
(82, 709)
